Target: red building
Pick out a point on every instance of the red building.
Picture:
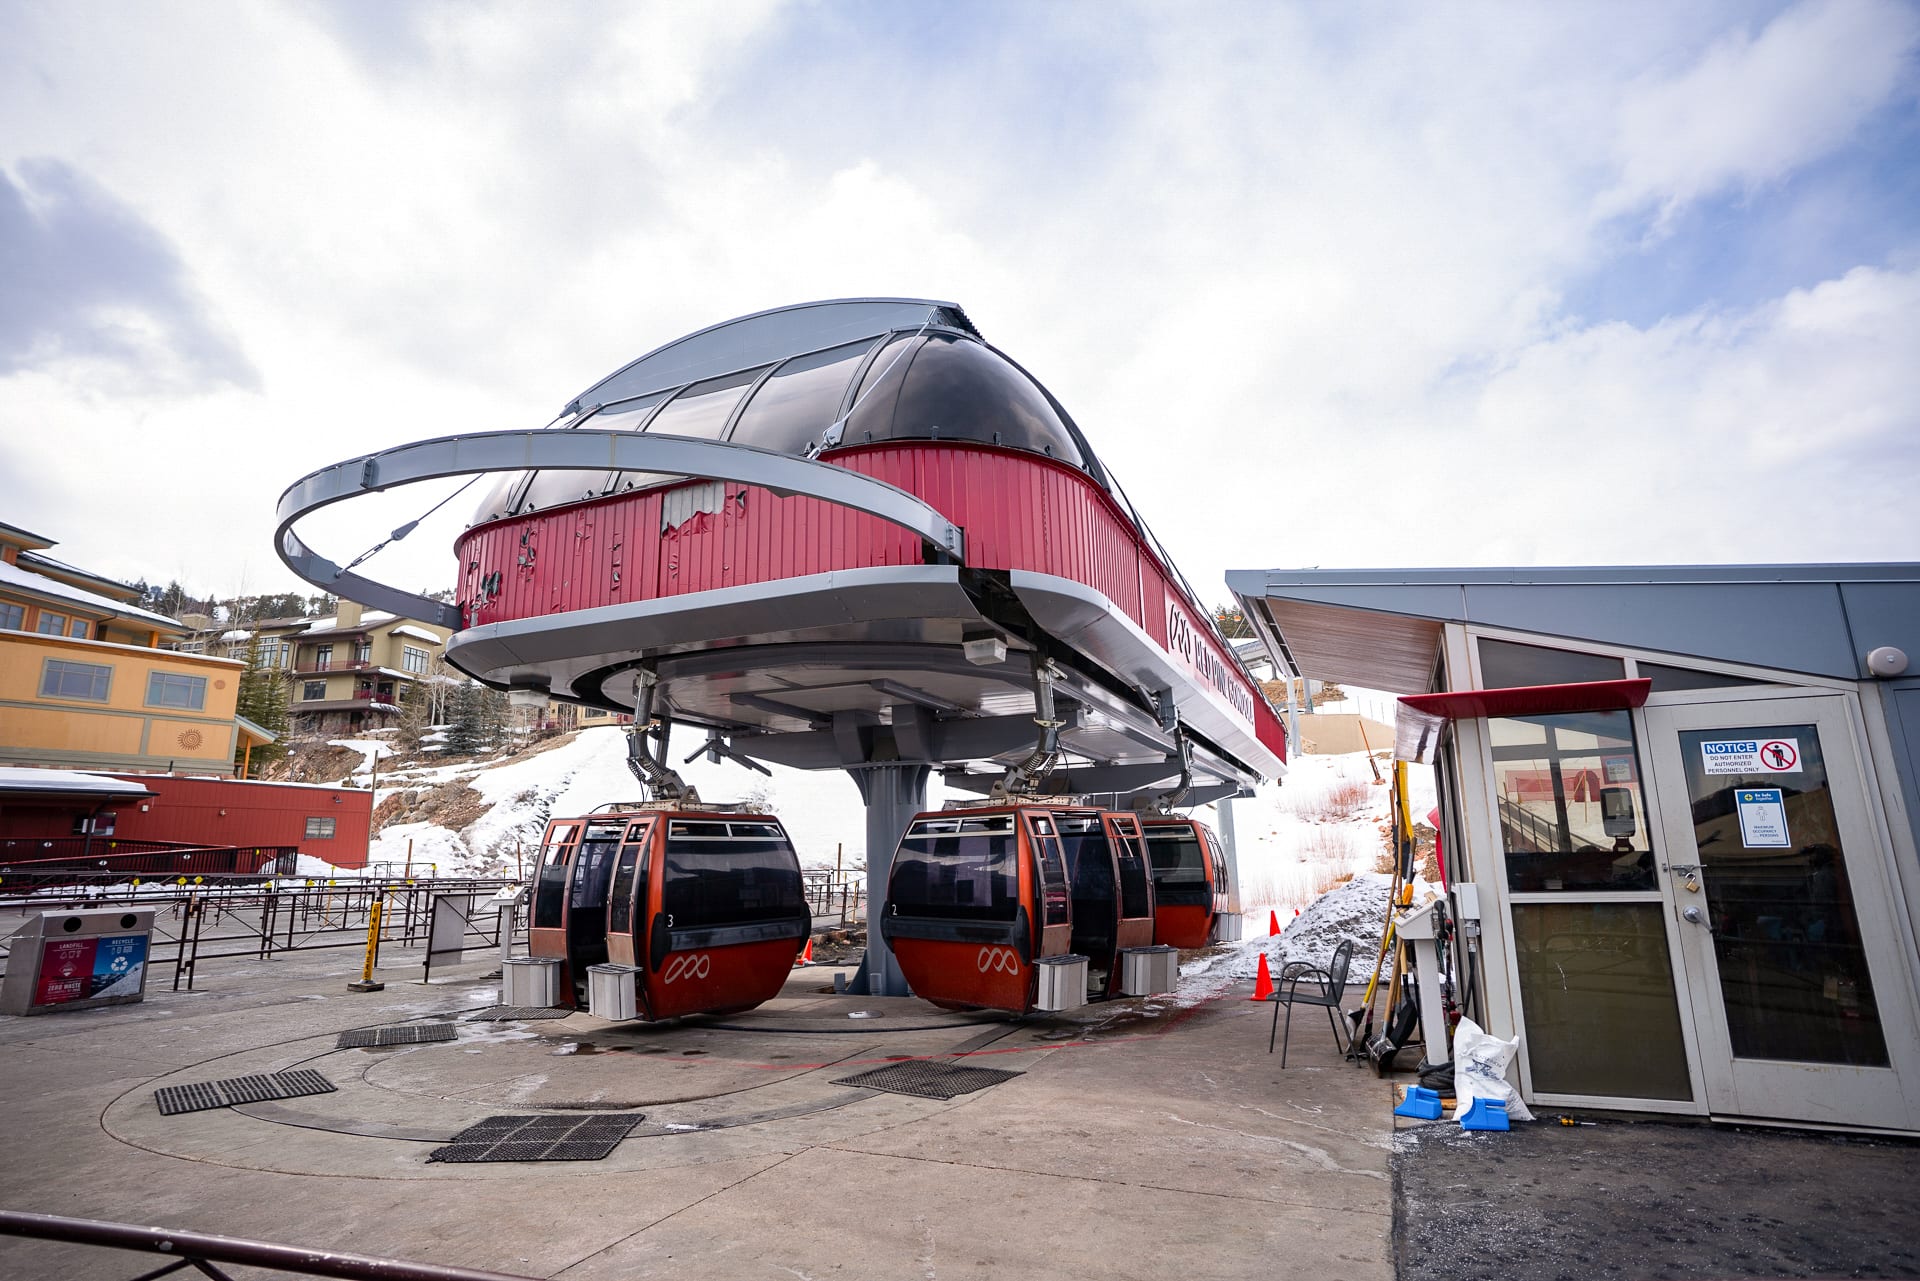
(330, 823)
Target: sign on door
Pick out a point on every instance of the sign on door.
(1751, 755)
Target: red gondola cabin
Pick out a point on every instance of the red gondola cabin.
(1189, 879)
(976, 896)
(706, 905)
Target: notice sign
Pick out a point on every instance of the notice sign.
(1751, 756)
(1763, 818)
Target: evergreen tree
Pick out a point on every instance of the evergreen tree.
(263, 699)
(463, 721)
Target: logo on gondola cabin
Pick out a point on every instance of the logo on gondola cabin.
(692, 965)
(998, 960)
(1191, 644)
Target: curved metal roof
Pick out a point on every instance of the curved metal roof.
(805, 378)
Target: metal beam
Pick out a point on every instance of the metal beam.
(969, 740)
(579, 450)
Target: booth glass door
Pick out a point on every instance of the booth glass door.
(1790, 949)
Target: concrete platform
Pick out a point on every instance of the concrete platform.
(1142, 1138)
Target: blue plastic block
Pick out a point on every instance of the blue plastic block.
(1485, 1114)
(1421, 1104)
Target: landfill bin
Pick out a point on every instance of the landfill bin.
(76, 960)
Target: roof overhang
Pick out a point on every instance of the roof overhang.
(1421, 718)
(56, 785)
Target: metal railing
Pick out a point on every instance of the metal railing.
(831, 893)
(205, 1251)
(234, 920)
(111, 861)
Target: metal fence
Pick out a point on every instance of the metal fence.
(833, 896)
(238, 919)
(42, 864)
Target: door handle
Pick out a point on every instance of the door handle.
(1696, 916)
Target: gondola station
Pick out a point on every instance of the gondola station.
(1677, 819)
(852, 535)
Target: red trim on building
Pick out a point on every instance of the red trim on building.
(1532, 700)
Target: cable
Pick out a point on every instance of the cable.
(410, 526)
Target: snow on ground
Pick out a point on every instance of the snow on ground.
(370, 751)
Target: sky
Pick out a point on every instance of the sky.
(1324, 285)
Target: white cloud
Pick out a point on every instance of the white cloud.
(1755, 107)
(1299, 280)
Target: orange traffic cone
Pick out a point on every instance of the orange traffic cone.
(1273, 922)
(806, 957)
(1263, 985)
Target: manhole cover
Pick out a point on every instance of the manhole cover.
(395, 1034)
(201, 1096)
(521, 1013)
(927, 1080)
(539, 1138)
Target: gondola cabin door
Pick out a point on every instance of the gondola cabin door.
(1054, 897)
(589, 878)
(628, 906)
(547, 927)
(1136, 885)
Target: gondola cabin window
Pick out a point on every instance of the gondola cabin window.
(631, 868)
(1179, 866)
(729, 873)
(1056, 901)
(1135, 893)
(550, 891)
(957, 867)
(595, 866)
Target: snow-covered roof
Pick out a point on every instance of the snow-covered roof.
(40, 584)
(17, 780)
(418, 633)
(235, 635)
(331, 623)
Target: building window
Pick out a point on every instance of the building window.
(171, 689)
(190, 647)
(323, 657)
(89, 681)
(313, 691)
(320, 829)
(414, 660)
(78, 629)
(51, 624)
(363, 651)
(1505, 664)
(1571, 814)
(273, 653)
(12, 616)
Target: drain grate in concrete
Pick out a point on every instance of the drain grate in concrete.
(395, 1034)
(928, 1080)
(523, 1013)
(539, 1138)
(202, 1096)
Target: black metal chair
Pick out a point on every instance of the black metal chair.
(1326, 988)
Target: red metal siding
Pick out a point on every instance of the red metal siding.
(1019, 511)
(226, 812)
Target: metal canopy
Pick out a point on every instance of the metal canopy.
(1818, 619)
(1532, 700)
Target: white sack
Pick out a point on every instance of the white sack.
(1480, 1070)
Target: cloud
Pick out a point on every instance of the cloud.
(88, 282)
(1755, 107)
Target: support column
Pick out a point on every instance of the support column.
(1232, 852)
(894, 794)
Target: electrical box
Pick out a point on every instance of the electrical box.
(610, 992)
(1063, 983)
(1149, 971)
(77, 960)
(530, 980)
(1466, 900)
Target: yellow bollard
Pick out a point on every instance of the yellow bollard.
(366, 983)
